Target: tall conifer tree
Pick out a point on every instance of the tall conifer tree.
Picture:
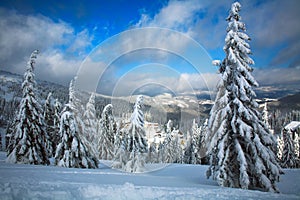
(240, 147)
(29, 138)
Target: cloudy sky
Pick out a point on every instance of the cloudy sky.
(68, 32)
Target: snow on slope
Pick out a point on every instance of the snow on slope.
(173, 182)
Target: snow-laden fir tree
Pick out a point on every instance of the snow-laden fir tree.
(169, 126)
(297, 146)
(152, 153)
(171, 148)
(120, 156)
(29, 138)
(106, 132)
(72, 150)
(240, 147)
(136, 144)
(49, 121)
(289, 157)
(166, 149)
(172, 152)
(10, 133)
(56, 125)
(197, 141)
(76, 105)
(160, 153)
(279, 147)
(90, 120)
(265, 115)
(188, 149)
(202, 143)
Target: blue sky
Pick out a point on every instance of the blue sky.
(66, 31)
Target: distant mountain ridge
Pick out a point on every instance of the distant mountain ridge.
(161, 107)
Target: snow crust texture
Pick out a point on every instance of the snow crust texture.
(176, 181)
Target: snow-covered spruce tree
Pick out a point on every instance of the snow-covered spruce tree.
(30, 137)
(56, 125)
(169, 126)
(10, 134)
(289, 159)
(195, 144)
(152, 153)
(76, 105)
(176, 144)
(240, 148)
(71, 151)
(120, 157)
(188, 149)
(279, 147)
(202, 143)
(172, 151)
(297, 146)
(160, 153)
(49, 121)
(265, 115)
(136, 144)
(106, 131)
(90, 120)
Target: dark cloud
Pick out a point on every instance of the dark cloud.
(274, 29)
(289, 53)
(277, 76)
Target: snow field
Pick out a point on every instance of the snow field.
(175, 181)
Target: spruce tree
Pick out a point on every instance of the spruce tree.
(120, 156)
(265, 115)
(279, 147)
(72, 150)
(195, 144)
(289, 158)
(56, 125)
(160, 153)
(188, 150)
(202, 144)
(49, 121)
(106, 131)
(76, 105)
(152, 153)
(90, 120)
(28, 143)
(172, 152)
(136, 144)
(240, 146)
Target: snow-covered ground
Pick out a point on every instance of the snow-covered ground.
(175, 181)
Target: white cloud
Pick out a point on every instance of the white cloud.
(156, 78)
(53, 66)
(81, 42)
(21, 34)
(176, 15)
